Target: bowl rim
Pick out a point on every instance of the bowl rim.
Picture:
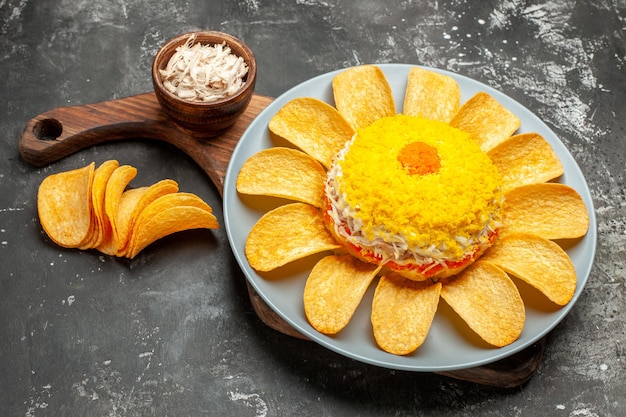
(230, 40)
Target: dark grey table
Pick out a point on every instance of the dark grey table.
(172, 332)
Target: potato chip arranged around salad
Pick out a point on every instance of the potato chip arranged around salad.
(441, 202)
(94, 208)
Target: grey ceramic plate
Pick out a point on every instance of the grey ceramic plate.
(450, 344)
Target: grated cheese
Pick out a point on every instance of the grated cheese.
(204, 73)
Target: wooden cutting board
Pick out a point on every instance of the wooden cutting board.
(63, 131)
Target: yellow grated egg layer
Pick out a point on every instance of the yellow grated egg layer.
(431, 210)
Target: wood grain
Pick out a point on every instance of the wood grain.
(63, 131)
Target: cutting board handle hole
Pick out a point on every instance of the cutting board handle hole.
(47, 129)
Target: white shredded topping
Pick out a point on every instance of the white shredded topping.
(387, 246)
(203, 73)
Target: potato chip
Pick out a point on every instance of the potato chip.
(334, 290)
(167, 201)
(363, 95)
(93, 233)
(170, 200)
(402, 313)
(128, 202)
(166, 222)
(488, 301)
(64, 206)
(524, 159)
(118, 181)
(488, 121)
(313, 126)
(98, 188)
(147, 230)
(431, 95)
(133, 202)
(552, 211)
(540, 262)
(285, 234)
(284, 173)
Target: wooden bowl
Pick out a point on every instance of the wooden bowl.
(204, 119)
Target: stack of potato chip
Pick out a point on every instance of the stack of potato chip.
(93, 208)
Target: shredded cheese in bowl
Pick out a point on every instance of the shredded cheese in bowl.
(204, 73)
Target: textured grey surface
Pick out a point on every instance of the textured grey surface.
(172, 333)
